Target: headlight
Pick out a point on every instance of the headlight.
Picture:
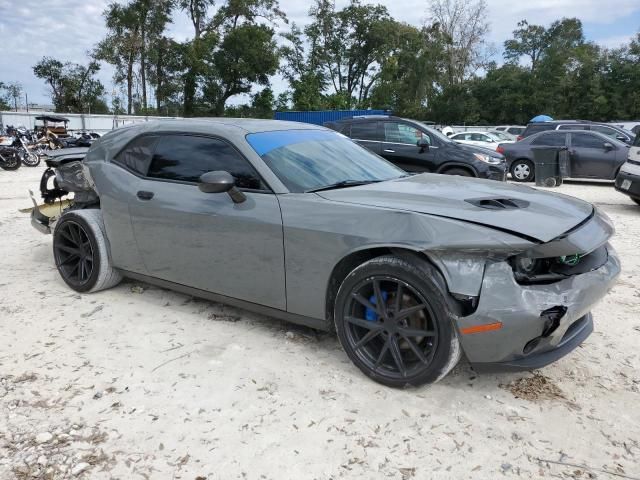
(488, 159)
(525, 265)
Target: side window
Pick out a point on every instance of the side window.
(401, 133)
(584, 140)
(478, 137)
(364, 131)
(551, 139)
(606, 130)
(136, 156)
(185, 158)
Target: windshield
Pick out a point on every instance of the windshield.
(311, 159)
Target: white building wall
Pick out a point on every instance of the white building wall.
(77, 121)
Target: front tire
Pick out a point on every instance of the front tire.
(30, 159)
(81, 251)
(393, 322)
(522, 170)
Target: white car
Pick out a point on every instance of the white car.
(479, 139)
(511, 129)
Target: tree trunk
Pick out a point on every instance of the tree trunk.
(143, 70)
(129, 86)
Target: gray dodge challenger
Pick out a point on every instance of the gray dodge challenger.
(300, 223)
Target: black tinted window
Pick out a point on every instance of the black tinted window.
(364, 131)
(402, 133)
(585, 140)
(137, 155)
(551, 139)
(531, 129)
(185, 158)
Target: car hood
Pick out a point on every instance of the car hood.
(520, 210)
(477, 149)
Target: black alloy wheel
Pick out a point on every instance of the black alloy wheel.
(74, 254)
(391, 327)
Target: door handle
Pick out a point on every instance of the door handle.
(142, 195)
(388, 150)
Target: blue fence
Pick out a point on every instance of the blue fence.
(319, 117)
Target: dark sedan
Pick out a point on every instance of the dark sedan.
(591, 154)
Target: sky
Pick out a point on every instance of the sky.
(68, 29)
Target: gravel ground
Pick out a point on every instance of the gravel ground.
(140, 382)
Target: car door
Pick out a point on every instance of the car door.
(367, 134)
(205, 240)
(400, 147)
(589, 157)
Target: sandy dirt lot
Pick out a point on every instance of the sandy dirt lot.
(140, 382)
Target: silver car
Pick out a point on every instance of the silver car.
(300, 223)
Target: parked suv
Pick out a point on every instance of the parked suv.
(628, 180)
(591, 154)
(415, 147)
(612, 131)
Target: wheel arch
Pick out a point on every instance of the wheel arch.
(450, 165)
(354, 259)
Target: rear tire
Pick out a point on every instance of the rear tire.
(81, 251)
(522, 170)
(411, 340)
(461, 172)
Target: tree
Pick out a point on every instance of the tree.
(151, 17)
(14, 93)
(4, 97)
(464, 27)
(529, 41)
(347, 47)
(232, 48)
(74, 87)
(410, 74)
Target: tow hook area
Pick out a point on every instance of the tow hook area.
(551, 318)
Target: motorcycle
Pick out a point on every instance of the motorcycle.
(9, 155)
(28, 156)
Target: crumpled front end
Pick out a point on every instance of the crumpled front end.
(534, 307)
(533, 325)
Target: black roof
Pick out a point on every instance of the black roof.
(360, 118)
(52, 118)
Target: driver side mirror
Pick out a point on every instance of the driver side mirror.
(220, 182)
(607, 146)
(423, 145)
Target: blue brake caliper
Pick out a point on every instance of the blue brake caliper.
(371, 315)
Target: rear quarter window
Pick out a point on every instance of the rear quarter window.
(136, 156)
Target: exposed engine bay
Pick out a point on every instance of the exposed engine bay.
(64, 176)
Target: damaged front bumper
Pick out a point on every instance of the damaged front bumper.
(534, 325)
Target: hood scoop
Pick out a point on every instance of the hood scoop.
(498, 203)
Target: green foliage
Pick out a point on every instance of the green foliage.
(357, 56)
(74, 87)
